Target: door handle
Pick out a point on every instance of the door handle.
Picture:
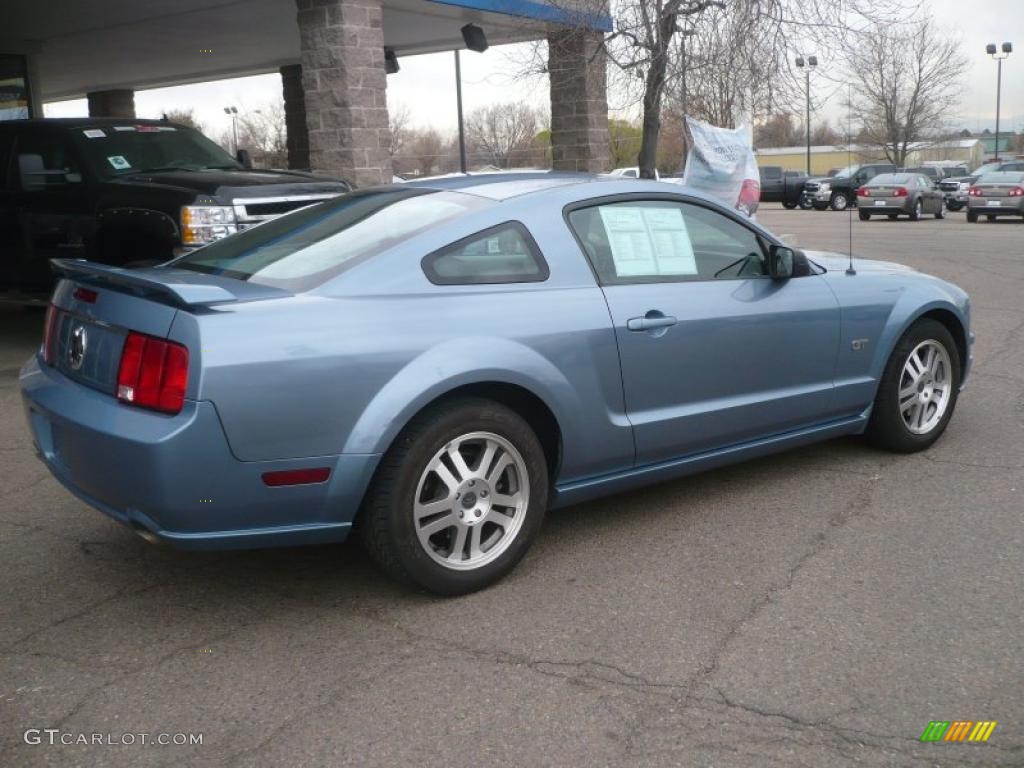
(652, 320)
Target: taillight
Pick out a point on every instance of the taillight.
(899, 192)
(1017, 192)
(153, 373)
(50, 334)
(974, 191)
(864, 192)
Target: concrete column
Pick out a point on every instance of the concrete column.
(579, 101)
(342, 46)
(295, 117)
(118, 102)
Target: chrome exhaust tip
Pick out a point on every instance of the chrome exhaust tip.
(146, 535)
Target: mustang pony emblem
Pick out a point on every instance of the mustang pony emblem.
(76, 349)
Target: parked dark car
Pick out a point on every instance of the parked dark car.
(997, 194)
(840, 191)
(125, 191)
(896, 194)
(781, 186)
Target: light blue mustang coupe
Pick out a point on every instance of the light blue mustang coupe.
(435, 365)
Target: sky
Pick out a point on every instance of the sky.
(425, 85)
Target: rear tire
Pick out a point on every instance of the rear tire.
(972, 218)
(895, 425)
(991, 218)
(915, 214)
(789, 206)
(941, 213)
(954, 206)
(424, 511)
(863, 215)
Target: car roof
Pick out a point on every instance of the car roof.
(507, 186)
(83, 122)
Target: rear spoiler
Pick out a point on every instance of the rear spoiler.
(184, 289)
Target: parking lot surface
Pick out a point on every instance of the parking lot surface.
(815, 608)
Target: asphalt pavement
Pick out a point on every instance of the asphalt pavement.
(816, 608)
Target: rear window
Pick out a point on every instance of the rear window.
(302, 250)
(1002, 177)
(885, 179)
(771, 173)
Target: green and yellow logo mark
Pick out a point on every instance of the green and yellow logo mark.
(958, 730)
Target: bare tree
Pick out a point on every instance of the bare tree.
(502, 133)
(399, 125)
(733, 56)
(263, 133)
(183, 116)
(906, 84)
(423, 152)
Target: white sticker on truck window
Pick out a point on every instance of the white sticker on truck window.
(94, 133)
(648, 241)
(124, 127)
(118, 162)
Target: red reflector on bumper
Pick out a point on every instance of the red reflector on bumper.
(296, 476)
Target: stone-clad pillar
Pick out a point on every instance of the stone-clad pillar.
(295, 117)
(342, 46)
(119, 102)
(579, 101)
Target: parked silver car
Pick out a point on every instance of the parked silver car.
(895, 194)
(996, 194)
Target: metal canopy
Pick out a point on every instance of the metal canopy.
(86, 45)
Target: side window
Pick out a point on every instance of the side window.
(506, 253)
(44, 160)
(664, 241)
(771, 173)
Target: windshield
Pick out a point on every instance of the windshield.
(302, 250)
(846, 172)
(118, 150)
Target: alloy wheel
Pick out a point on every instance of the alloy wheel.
(925, 387)
(471, 500)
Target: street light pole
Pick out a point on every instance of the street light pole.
(812, 61)
(990, 49)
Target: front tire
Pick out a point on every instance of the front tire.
(918, 391)
(839, 202)
(789, 206)
(805, 204)
(458, 498)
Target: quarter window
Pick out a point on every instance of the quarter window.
(664, 241)
(506, 253)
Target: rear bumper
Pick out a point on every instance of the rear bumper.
(868, 204)
(174, 476)
(1013, 209)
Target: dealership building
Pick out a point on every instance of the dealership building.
(333, 57)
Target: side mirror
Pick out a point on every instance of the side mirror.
(34, 174)
(243, 157)
(781, 262)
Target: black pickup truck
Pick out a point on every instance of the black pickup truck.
(126, 192)
(781, 186)
(840, 191)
